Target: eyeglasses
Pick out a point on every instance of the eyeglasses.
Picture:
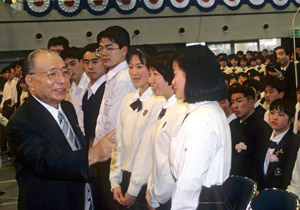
(107, 50)
(54, 73)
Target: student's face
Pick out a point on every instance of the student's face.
(241, 106)
(159, 85)
(92, 66)
(57, 48)
(279, 120)
(253, 63)
(178, 81)
(241, 79)
(49, 89)
(223, 63)
(138, 72)
(234, 62)
(282, 57)
(224, 104)
(264, 53)
(232, 81)
(258, 61)
(113, 54)
(272, 94)
(243, 63)
(256, 78)
(75, 66)
(248, 56)
(6, 75)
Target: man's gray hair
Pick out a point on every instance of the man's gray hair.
(30, 61)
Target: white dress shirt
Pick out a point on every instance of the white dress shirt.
(294, 186)
(200, 155)
(277, 140)
(161, 183)
(54, 112)
(118, 85)
(133, 137)
(10, 92)
(77, 93)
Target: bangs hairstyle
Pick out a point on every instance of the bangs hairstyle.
(144, 52)
(60, 40)
(162, 62)
(284, 106)
(72, 52)
(275, 83)
(204, 80)
(115, 34)
(89, 48)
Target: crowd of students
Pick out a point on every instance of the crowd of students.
(174, 139)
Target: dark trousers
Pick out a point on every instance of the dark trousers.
(101, 190)
(140, 202)
(213, 198)
(3, 140)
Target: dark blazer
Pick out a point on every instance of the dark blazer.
(252, 132)
(290, 83)
(279, 173)
(49, 174)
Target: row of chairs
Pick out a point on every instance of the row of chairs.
(241, 194)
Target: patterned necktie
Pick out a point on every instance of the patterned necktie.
(162, 113)
(137, 105)
(66, 128)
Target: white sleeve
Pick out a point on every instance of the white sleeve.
(196, 156)
(122, 88)
(115, 175)
(161, 191)
(142, 167)
(294, 186)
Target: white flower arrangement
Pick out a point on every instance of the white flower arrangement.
(273, 157)
(240, 146)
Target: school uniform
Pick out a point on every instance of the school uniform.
(276, 161)
(234, 70)
(161, 183)
(118, 85)
(76, 95)
(224, 69)
(131, 158)
(203, 141)
(259, 110)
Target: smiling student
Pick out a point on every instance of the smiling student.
(131, 160)
(278, 156)
(161, 183)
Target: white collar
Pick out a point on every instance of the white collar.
(96, 85)
(146, 94)
(172, 100)
(53, 111)
(113, 72)
(194, 106)
(278, 138)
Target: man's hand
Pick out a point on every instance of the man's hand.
(118, 196)
(102, 150)
(276, 74)
(129, 200)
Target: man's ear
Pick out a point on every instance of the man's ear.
(124, 51)
(281, 94)
(29, 82)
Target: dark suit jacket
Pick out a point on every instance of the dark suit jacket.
(279, 173)
(252, 132)
(290, 83)
(49, 174)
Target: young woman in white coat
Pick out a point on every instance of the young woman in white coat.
(161, 183)
(131, 159)
(200, 154)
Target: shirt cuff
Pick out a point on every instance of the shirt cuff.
(134, 189)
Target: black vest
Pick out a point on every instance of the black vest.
(90, 108)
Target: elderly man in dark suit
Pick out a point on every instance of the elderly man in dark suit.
(50, 155)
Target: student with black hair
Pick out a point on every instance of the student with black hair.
(242, 77)
(252, 132)
(161, 183)
(200, 155)
(243, 63)
(131, 162)
(278, 155)
(223, 64)
(234, 69)
(58, 44)
(79, 80)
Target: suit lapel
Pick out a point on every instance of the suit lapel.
(48, 124)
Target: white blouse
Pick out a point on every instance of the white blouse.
(133, 136)
(200, 155)
(161, 183)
